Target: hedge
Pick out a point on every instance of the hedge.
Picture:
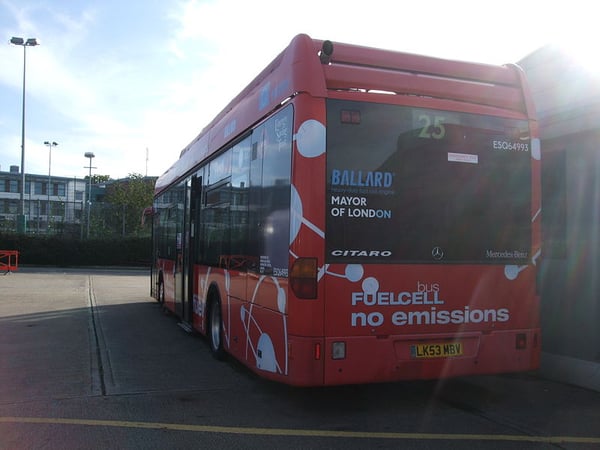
(65, 252)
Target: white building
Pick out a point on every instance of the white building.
(567, 97)
(52, 205)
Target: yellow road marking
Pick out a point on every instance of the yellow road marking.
(301, 432)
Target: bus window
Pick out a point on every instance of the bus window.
(240, 184)
(414, 185)
(270, 169)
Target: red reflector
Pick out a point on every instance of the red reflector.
(317, 351)
(348, 116)
(521, 342)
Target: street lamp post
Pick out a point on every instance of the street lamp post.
(21, 221)
(48, 209)
(89, 155)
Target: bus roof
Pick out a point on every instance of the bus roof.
(300, 69)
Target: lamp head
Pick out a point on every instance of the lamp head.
(31, 42)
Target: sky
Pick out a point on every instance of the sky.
(135, 81)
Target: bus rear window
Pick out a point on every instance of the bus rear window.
(412, 185)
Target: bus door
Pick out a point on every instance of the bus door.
(177, 270)
(184, 262)
(194, 202)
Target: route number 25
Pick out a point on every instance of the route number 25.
(431, 127)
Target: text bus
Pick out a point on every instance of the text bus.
(359, 215)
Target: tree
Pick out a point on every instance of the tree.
(126, 200)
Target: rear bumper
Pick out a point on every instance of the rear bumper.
(374, 359)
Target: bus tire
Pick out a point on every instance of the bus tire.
(215, 329)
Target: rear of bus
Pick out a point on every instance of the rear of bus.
(431, 226)
(428, 243)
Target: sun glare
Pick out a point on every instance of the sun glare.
(583, 52)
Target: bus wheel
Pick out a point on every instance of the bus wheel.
(215, 330)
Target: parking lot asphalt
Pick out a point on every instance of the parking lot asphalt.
(89, 360)
(48, 347)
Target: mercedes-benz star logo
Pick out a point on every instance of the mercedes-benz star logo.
(437, 253)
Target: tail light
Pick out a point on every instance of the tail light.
(303, 278)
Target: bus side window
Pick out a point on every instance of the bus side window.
(270, 171)
(240, 185)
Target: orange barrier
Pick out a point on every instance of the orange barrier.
(9, 260)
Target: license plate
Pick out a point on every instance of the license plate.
(445, 350)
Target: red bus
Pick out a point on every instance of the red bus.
(359, 215)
